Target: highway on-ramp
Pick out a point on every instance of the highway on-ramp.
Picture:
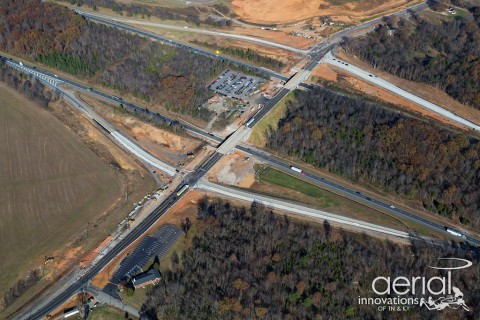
(382, 83)
(270, 159)
(350, 193)
(296, 208)
(265, 156)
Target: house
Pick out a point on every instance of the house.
(150, 277)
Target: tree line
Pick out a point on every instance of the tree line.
(444, 54)
(247, 54)
(248, 263)
(370, 144)
(190, 14)
(166, 76)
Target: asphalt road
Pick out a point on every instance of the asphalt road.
(140, 229)
(143, 226)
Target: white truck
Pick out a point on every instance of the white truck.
(297, 169)
(455, 233)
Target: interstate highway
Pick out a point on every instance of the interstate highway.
(349, 193)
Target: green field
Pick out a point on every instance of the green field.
(106, 313)
(276, 183)
(260, 131)
(325, 199)
(51, 186)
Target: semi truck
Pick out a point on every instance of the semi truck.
(250, 121)
(182, 190)
(297, 169)
(455, 232)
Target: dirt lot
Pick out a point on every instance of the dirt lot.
(51, 185)
(163, 144)
(234, 169)
(270, 11)
(423, 90)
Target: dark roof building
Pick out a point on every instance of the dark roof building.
(152, 276)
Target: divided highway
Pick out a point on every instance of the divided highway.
(195, 178)
(265, 156)
(350, 193)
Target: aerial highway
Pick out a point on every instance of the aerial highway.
(315, 53)
(270, 159)
(265, 156)
(369, 77)
(195, 178)
(195, 30)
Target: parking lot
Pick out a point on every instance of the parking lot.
(235, 84)
(150, 246)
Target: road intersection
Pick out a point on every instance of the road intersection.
(196, 178)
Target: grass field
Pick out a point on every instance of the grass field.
(258, 136)
(106, 313)
(139, 297)
(51, 186)
(275, 183)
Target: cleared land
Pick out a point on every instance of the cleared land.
(163, 144)
(51, 186)
(271, 12)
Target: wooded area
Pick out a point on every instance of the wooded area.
(446, 54)
(248, 263)
(247, 54)
(370, 144)
(56, 36)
